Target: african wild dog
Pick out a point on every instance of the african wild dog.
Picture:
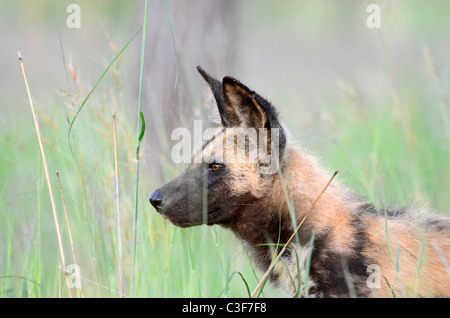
(408, 247)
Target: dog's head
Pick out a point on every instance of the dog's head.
(234, 167)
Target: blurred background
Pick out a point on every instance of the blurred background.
(374, 103)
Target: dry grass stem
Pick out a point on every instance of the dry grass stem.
(68, 225)
(47, 175)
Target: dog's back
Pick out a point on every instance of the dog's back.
(412, 249)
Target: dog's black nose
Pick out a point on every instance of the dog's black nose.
(157, 199)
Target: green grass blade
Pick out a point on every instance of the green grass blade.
(308, 263)
(243, 279)
(174, 51)
(140, 133)
(246, 284)
(97, 83)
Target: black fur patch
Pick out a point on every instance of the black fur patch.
(335, 274)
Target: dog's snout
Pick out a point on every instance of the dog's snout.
(157, 200)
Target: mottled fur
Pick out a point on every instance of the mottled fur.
(408, 248)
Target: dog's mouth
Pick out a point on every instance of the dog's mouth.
(186, 220)
(183, 211)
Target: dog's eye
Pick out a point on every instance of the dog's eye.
(215, 167)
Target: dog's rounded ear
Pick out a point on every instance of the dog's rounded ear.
(242, 104)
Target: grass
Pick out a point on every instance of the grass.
(87, 175)
(395, 152)
(402, 145)
(140, 130)
(47, 175)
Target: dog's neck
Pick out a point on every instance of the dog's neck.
(269, 220)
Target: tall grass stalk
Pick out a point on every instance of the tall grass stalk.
(68, 226)
(95, 86)
(47, 175)
(140, 129)
(118, 223)
(174, 52)
(308, 264)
